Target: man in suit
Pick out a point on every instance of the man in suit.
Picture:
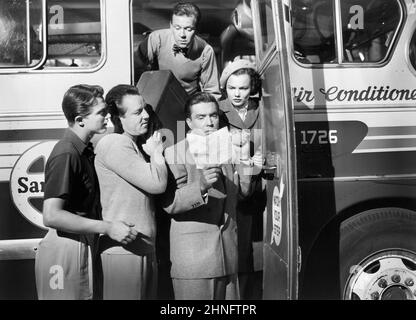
(202, 205)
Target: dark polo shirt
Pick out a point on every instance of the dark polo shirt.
(70, 175)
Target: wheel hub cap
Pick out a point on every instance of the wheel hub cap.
(389, 275)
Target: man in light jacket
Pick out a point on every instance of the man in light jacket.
(202, 205)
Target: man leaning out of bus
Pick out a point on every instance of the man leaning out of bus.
(178, 49)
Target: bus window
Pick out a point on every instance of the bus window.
(412, 50)
(313, 31)
(74, 33)
(20, 36)
(272, 90)
(150, 15)
(368, 28)
(266, 27)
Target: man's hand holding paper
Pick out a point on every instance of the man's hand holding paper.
(214, 149)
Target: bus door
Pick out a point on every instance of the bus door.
(280, 249)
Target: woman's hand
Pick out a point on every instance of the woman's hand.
(240, 140)
(258, 159)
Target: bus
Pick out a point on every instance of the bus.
(350, 70)
(338, 131)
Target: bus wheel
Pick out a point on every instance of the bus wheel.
(378, 255)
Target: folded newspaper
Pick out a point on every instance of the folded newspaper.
(213, 149)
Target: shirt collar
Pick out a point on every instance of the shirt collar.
(242, 112)
(233, 116)
(228, 106)
(242, 109)
(70, 136)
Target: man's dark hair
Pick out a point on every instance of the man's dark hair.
(79, 100)
(113, 100)
(199, 97)
(188, 9)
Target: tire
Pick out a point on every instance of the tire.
(378, 255)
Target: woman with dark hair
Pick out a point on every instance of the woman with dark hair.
(241, 114)
(130, 173)
(71, 207)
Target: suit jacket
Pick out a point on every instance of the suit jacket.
(203, 234)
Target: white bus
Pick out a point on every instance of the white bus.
(339, 84)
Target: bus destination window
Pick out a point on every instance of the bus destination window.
(368, 28)
(74, 34)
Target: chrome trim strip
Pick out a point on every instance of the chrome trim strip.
(338, 28)
(18, 249)
(378, 150)
(362, 178)
(390, 137)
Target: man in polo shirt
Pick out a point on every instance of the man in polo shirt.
(190, 58)
(71, 207)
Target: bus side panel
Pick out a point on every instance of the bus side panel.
(19, 284)
(324, 204)
(21, 195)
(272, 272)
(13, 223)
(21, 190)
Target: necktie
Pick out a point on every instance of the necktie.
(176, 49)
